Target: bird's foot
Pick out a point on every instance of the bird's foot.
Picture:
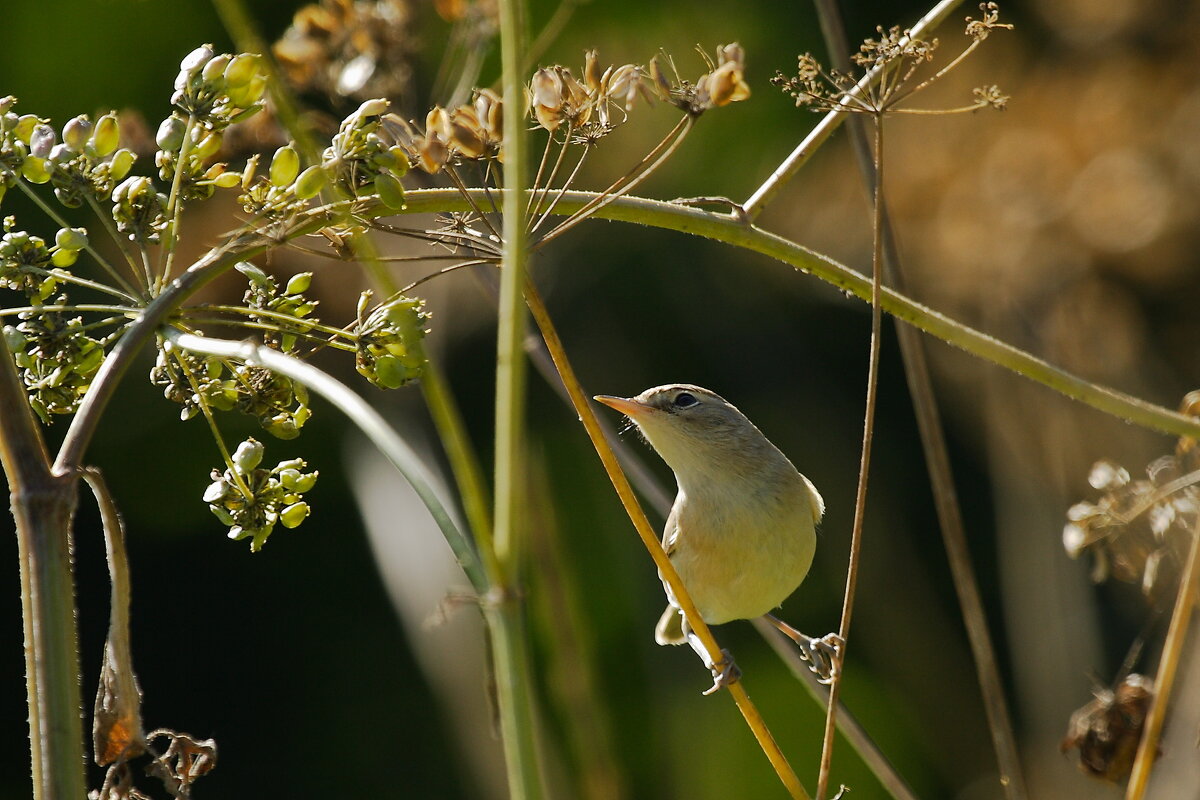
(725, 673)
(824, 656)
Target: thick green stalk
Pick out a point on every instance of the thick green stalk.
(43, 507)
(505, 609)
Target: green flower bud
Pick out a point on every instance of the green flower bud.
(285, 166)
(227, 180)
(310, 183)
(34, 170)
(296, 481)
(208, 146)
(170, 134)
(25, 126)
(41, 140)
(215, 68)
(257, 277)
(251, 93)
(106, 135)
(71, 238)
(299, 283)
(121, 163)
(247, 456)
(15, 339)
(241, 70)
(6, 104)
(248, 172)
(293, 515)
(390, 192)
(64, 258)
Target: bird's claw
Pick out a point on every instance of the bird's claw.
(725, 673)
(824, 656)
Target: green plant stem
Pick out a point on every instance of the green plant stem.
(727, 229)
(505, 609)
(1168, 665)
(650, 539)
(43, 506)
(830, 122)
(937, 457)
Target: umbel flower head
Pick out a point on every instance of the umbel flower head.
(252, 500)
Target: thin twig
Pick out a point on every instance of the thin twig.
(1168, 665)
(830, 122)
(864, 468)
(937, 458)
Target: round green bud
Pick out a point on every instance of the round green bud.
(390, 192)
(241, 70)
(285, 166)
(71, 238)
(247, 456)
(106, 135)
(299, 283)
(6, 104)
(310, 183)
(121, 163)
(293, 515)
(256, 276)
(76, 133)
(64, 258)
(170, 134)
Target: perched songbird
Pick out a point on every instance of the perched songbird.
(742, 531)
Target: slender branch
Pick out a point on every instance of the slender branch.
(638, 517)
(830, 122)
(1168, 665)
(727, 229)
(864, 468)
(937, 457)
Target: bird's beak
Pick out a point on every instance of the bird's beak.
(626, 405)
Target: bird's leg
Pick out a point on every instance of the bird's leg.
(824, 654)
(725, 672)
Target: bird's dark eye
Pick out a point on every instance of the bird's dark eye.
(685, 400)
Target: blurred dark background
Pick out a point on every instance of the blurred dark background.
(1066, 225)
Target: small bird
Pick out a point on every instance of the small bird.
(742, 531)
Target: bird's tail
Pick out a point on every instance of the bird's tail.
(669, 629)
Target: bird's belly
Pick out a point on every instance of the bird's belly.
(741, 569)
